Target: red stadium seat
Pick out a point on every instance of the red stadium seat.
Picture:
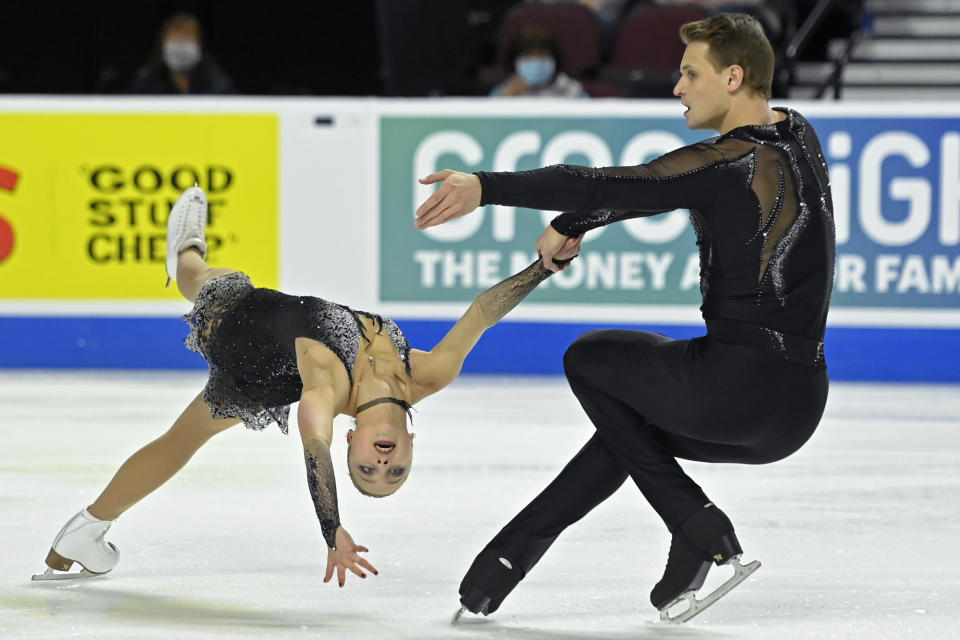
(574, 27)
(649, 39)
(648, 49)
(603, 89)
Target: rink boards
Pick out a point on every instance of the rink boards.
(316, 196)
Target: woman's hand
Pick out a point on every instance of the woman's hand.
(346, 556)
(553, 245)
(457, 196)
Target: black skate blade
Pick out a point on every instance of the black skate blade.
(457, 615)
(740, 573)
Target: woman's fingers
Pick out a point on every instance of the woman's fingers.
(355, 570)
(363, 562)
(349, 561)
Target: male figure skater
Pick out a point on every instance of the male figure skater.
(753, 389)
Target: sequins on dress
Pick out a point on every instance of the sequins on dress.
(759, 199)
(248, 335)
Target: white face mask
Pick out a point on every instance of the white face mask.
(181, 55)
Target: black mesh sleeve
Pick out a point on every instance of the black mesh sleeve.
(323, 489)
(593, 198)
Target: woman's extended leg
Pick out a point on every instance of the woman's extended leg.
(187, 244)
(81, 540)
(193, 272)
(157, 462)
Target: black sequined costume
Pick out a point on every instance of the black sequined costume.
(759, 201)
(753, 389)
(247, 336)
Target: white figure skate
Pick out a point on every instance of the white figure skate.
(81, 541)
(186, 227)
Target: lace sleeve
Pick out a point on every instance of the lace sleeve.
(498, 300)
(323, 489)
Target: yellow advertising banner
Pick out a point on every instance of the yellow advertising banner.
(84, 199)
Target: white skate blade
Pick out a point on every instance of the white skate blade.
(456, 616)
(53, 574)
(740, 573)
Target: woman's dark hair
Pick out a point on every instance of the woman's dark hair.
(532, 37)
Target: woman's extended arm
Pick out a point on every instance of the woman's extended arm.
(315, 419)
(442, 364)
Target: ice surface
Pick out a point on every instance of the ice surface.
(857, 532)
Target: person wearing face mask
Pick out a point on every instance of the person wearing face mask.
(534, 61)
(180, 65)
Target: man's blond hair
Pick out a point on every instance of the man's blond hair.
(736, 39)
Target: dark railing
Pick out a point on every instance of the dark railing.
(802, 36)
(836, 75)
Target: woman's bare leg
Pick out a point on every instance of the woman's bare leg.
(193, 272)
(154, 464)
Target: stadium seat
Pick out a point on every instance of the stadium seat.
(573, 26)
(648, 49)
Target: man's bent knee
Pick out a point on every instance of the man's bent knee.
(600, 346)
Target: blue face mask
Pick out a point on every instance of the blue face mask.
(536, 71)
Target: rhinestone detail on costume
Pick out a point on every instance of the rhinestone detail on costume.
(733, 191)
(247, 337)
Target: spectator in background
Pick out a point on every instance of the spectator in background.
(534, 63)
(180, 63)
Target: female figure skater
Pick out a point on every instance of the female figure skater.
(266, 350)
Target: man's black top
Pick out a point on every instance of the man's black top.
(759, 200)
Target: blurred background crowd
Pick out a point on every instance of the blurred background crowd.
(571, 48)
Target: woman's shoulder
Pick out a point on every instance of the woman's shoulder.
(319, 366)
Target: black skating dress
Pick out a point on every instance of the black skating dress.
(247, 336)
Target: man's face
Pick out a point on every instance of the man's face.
(702, 89)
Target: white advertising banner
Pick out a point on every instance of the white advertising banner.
(323, 191)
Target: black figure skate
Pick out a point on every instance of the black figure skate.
(496, 571)
(705, 537)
